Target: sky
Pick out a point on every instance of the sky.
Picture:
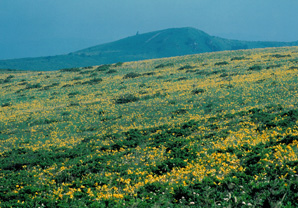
(32, 28)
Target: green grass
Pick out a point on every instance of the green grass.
(207, 130)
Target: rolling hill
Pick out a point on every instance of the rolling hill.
(215, 129)
(158, 44)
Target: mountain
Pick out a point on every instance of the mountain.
(158, 44)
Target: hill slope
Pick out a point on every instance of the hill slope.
(208, 130)
(158, 44)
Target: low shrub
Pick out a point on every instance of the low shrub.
(118, 64)
(131, 75)
(254, 68)
(149, 73)
(215, 72)
(73, 104)
(76, 78)
(202, 72)
(93, 81)
(54, 84)
(33, 86)
(66, 85)
(293, 68)
(87, 67)
(179, 111)
(10, 77)
(160, 77)
(111, 71)
(280, 55)
(186, 67)
(85, 72)
(127, 98)
(70, 70)
(260, 80)
(6, 80)
(181, 78)
(104, 67)
(192, 70)
(72, 94)
(164, 65)
(6, 105)
(237, 58)
(23, 83)
(93, 74)
(157, 94)
(273, 66)
(221, 63)
(224, 75)
(197, 91)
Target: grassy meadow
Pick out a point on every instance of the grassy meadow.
(208, 130)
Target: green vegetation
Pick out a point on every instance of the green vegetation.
(127, 98)
(207, 130)
(221, 63)
(131, 75)
(104, 67)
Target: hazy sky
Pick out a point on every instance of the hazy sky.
(30, 28)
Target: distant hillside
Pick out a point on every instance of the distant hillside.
(158, 44)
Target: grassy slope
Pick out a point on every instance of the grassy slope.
(210, 130)
(164, 43)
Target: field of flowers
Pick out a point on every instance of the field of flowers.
(208, 130)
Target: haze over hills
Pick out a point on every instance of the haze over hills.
(157, 44)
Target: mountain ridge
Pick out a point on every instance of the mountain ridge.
(157, 44)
